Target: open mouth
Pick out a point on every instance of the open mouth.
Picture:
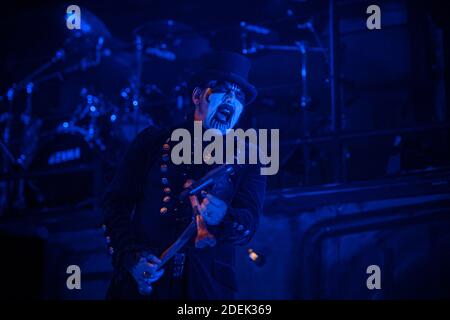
(222, 117)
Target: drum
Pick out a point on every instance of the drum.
(63, 172)
(128, 125)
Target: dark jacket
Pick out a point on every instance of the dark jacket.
(142, 212)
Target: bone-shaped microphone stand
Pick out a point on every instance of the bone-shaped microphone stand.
(204, 238)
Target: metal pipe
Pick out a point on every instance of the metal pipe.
(335, 88)
(366, 134)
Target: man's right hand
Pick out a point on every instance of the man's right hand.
(145, 273)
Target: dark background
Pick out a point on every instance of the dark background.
(362, 181)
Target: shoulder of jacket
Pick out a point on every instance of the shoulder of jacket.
(151, 135)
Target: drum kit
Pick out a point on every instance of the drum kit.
(112, 90)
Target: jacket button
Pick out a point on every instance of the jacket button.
(163, 168)
(166, 147)
(108, 239)
(167, 190)
(165, 157)
(166, 199)
(163, 210)
(165, 181)
(111, 250)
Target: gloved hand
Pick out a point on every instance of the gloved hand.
(145, 272)
(213, 209)
(214, 204)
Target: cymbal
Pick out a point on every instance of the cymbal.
(91, 25)
(89, 45)
(170, 40)
(92, 35)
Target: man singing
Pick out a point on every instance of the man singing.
(144, 215)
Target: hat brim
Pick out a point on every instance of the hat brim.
(201, 78)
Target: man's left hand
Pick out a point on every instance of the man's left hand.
(213, 209)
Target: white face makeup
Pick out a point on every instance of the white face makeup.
(224, 110)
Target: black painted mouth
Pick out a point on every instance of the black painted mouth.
(222, 117)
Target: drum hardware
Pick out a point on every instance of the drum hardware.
(166, 48)
(180, 93)
(89, 135)
(130, 120)
(255, 28)
(251, 46)
(171, 41)
(303, 48)
(85, 120)
(154, 88)
(251, 35)
(31, 128)
(135, 80)
(161, 52)
(28, 84)
(6, 203)
(309, 25)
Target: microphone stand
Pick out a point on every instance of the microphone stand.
(204, 238)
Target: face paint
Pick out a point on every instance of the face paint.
(223, 113)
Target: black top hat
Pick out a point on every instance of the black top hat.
(227, 66)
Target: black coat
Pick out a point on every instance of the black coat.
(142, 212)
